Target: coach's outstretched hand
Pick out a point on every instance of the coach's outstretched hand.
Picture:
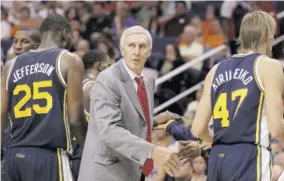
(191, 149)
(165, 117)
(166, 159)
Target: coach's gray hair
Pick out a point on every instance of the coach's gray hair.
(135, 30)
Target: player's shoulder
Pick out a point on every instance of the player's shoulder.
(267, 63)
(69, 60)
(212, 71)
(8, 66)
(70, 56)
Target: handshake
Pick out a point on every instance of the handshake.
(171, 161)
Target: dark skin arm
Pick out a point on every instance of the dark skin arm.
(86, 96)
(73, 71)
(4, 98)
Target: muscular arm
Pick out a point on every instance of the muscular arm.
(204, 112)
(86, 96)
(74, 78)
(4, 98)
(106, 121)
(271, 75)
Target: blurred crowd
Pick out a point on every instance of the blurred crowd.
(181, 32)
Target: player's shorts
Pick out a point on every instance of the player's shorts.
(36, 164)
(239, 162)
(75, 167)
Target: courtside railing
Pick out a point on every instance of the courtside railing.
(185, 67)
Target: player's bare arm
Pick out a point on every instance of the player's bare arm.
(4, 97)
(86, 97)
(204, 112)
(271, 75)
(73, 72)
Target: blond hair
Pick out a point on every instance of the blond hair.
(135, 30)
(256, 27)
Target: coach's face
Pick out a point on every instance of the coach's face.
(23, 43)
(135, 51)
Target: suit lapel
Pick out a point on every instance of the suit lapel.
(132, 94)
(130, 89)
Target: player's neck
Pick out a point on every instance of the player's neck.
(48, 42)
(261, 50)
(91, 74)
(47, 45)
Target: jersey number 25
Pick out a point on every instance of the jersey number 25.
(20, 112)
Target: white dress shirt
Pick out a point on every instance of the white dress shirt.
(133, 75)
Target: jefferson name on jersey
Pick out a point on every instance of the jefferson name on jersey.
(237, 74)
(44, 68)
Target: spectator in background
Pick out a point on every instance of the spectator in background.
(25, 20)
(175, 23)
(76, 38)
(122, 19)
(107, 48)
(5, 25)
(214, 36)
(173, 60)
(212, 30)
(199, 169)
(191, 108)
(76, 26)
(72, 14)
(173, 86)
(197, 24)
(82, 47)
(153, 26)
(190, 48)
(99, 21)
(50, 7)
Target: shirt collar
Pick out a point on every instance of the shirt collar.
(132, 74)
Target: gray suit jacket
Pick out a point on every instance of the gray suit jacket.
(115, 146)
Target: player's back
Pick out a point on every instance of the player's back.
(37, 101)
(237, 102)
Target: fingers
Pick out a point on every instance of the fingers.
(172, 165)
(184, 143)
(168, 170)
(176, 160)
(189, 151)
(160, 127)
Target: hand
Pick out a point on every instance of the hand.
(191, 149)
(165, 117)
(166, 159)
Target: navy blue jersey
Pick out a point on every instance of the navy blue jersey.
(237, 102)
(37, 101)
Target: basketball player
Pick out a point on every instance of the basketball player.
(94, 62)
(25, 39)
(37, 88)
(236, 92)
